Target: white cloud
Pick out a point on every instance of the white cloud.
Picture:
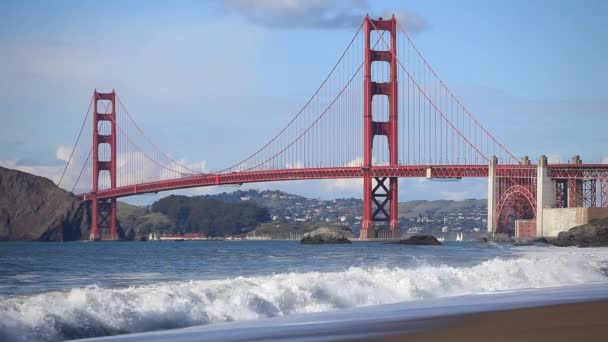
(554, 158)
(355, 162)
(344, 184)
(63, 153)
(454, 195)
(422, 188)
(295, 165)
(410, 21)
(301, 13)
(359, 162)
(324, 14)
(133, 168)
(51, 172)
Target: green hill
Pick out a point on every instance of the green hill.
(439, 208)
(210, 216)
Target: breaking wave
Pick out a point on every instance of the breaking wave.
(94, 311)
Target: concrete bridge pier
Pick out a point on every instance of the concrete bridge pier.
(575, 187)
(545, 193)
(492, 191)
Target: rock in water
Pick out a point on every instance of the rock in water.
(420, 240)
(593, 234)
(325, 235)
(34, 208)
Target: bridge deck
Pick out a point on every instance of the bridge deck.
(432, 171)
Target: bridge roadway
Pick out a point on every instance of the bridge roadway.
(428, 171)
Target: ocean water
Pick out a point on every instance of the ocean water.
(62, 291)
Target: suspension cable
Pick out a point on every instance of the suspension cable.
(75, 143)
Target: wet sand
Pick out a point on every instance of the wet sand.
(581, 322)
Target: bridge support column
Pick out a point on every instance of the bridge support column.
(603, 192)
(94, 233)
(104, 165)
(380, 198)
(367, 225)
(492, 195)
(545, 193)
(575, 187)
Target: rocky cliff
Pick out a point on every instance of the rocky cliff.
(34, 208)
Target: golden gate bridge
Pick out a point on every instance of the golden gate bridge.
(381, 113)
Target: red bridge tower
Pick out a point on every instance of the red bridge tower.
(103, 211)
(380, 200)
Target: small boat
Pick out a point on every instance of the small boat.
(441, 238)
(459, 236)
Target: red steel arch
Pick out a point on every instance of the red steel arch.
(517, 201)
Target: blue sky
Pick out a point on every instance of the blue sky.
(533, 72)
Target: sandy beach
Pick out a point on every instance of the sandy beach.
(565, 322)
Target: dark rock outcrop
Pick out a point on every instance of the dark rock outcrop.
(34, 208)
(420, 240)
(325, 235)
(593, 234)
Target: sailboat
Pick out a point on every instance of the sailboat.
(459, 236)
(441, 239)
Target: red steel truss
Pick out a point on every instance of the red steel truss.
(515, 195)
(589, 193)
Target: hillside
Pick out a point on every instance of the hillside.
(139, 222)
(414, 209)
(34, 208)
(211, 217)
(285, 207)
(288, 208)
(287, 230)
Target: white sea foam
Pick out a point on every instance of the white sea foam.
(94, 311)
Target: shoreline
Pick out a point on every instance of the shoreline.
(557, 314)
(556, 322)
